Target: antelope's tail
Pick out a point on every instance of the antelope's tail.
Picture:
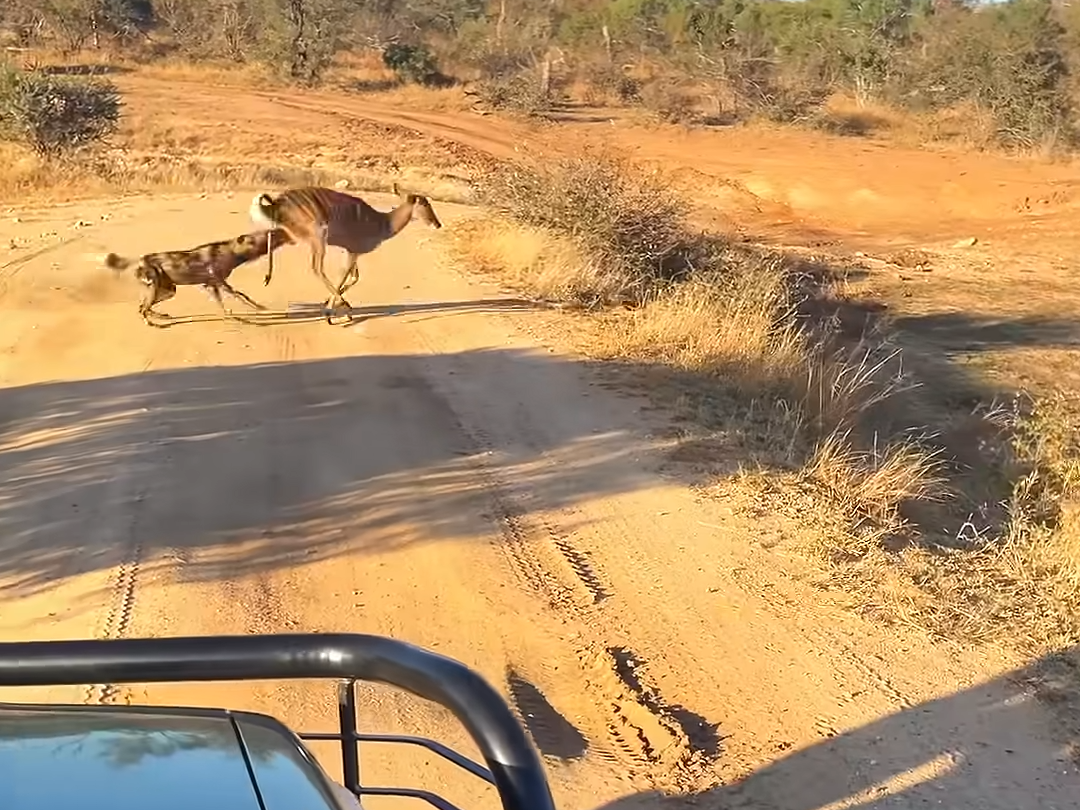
(263, 211)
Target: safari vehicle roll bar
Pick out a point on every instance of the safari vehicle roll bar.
(513, 766)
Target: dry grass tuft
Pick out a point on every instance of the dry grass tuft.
(546, 265)
(222, 74)
(729, 326)
(824, 425)
(25, 175)
(633, 227)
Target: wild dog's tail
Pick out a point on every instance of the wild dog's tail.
(116, 262)
(263, 211)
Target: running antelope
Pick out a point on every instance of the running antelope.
(209, 265)
(324, 217)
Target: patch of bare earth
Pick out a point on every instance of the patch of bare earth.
(891, 443)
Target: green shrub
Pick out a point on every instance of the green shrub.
(1009, 61)
(412, 63)
(57, 114)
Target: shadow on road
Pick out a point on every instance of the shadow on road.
(245, 469)
(968, 750)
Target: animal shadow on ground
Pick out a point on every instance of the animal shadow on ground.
(312, 312)
(244, 469)
(965, 750)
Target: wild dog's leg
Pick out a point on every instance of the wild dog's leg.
(235, 293)
(159, 288)
(214, 291)
(146, 307)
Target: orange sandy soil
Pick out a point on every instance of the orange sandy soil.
(437, 473)
(908, 216)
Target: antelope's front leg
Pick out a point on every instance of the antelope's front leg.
(318, 258)
(348, 279)
(269, 261)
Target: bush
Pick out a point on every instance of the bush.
(632, 225)
(1008, 61)
(608, 85)
(57, 114)
(668, 102)
(412, 63)
(520, 93)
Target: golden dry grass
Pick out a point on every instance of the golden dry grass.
(181, 139)
(822, 426)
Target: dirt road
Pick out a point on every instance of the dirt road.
(435, 473)
(793, 186)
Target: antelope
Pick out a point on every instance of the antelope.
(209, 265)
(324, 217)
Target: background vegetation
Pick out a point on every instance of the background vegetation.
(1008, 66)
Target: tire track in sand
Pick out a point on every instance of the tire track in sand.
(624, 723)
(125, 581)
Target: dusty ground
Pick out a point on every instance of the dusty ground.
(435, 473)
(1000, 310)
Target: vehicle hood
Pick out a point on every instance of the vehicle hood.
(116, 759)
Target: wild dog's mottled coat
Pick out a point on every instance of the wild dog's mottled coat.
(323, 216)
(208, 265)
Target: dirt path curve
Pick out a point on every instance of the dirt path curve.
(794, 186)
(436, 474)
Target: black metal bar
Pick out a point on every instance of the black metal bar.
(475, 768)
(411, 793)
(350, 753)
(514, 764)
(244, 752)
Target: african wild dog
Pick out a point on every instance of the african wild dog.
(209, 265)
(323, 216)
